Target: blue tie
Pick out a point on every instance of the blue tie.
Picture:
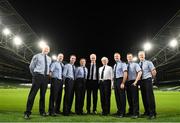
(45, 70)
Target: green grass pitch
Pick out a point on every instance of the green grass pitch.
(13, 102)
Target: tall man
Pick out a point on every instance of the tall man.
(56, 70)
(39, 68)
(105, 79)
(120, 76)
(69, 76)
(92, 84)
(148, 73)
(134, 75)
(57, 110)
(80, 86)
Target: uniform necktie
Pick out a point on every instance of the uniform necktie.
(45, 70)
(84, 72)
(115, 70)
(61, 68)
(128, 67)
(73, 71)
(102, 73)
(141, 65)
(92, 71)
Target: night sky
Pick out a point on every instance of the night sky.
(102, 27)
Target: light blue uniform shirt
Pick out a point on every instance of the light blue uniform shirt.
(68, 71)
(56, 69)
(38, 64)
(133, 68)
(80, 72)
(120, 69)
(147, 67)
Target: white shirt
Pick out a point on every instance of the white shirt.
(94, 72)
(108, 73)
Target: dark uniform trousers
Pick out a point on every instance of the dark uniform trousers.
(59, 98)
(92, 88)
(80, 86)
(105, 92)
(148, 96)
(68, 96)
(133, 97)
(39, 81)
(55, 93)
(120, 96)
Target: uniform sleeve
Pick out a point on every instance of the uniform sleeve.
(124, 67)
(137, 68)
(99, 74)
(33, 64)
(65, 71)
(151, 65)
(112, 75)
(52, 66)
(76, 72)
(87, 71)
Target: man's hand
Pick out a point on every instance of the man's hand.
(134, 84)
(50, 74)
(122, 86)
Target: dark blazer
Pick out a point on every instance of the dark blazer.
(97, 70)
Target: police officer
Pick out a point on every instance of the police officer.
(120, 76)
(134, 75)
(81, 76)
(69, 76)
(39, 68)
(56, 70)
(148, 73)
(105, 79)
(92, 84)
(59, 97)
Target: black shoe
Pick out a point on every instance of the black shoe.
(26, 116)
(94, 112)
(52, 114)
(152, 117)
(65, 114)
(129, 114)
(117, 113)
(88, 112)
(58, 112)
(134, 116)
(81, 113)
(120, 116)
(144, 115)
(104, 114)
(71, 112)
(44, 114)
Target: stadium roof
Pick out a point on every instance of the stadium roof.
(14, 59)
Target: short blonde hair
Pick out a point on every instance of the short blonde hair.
(92, 55)
(104, 58)
(141, 52)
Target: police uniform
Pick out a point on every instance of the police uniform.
(92, 86)
(119, 69)
(131, 90)
(81, 77)
(39, 68)
(147, 87)
(69, 76)
(56, 70)
(105, 78)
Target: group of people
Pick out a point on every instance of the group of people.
(87, 79)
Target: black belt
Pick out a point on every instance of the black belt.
(147, 79)
(36, 73)
(57, 79)
(119, 78)
(105, 80)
